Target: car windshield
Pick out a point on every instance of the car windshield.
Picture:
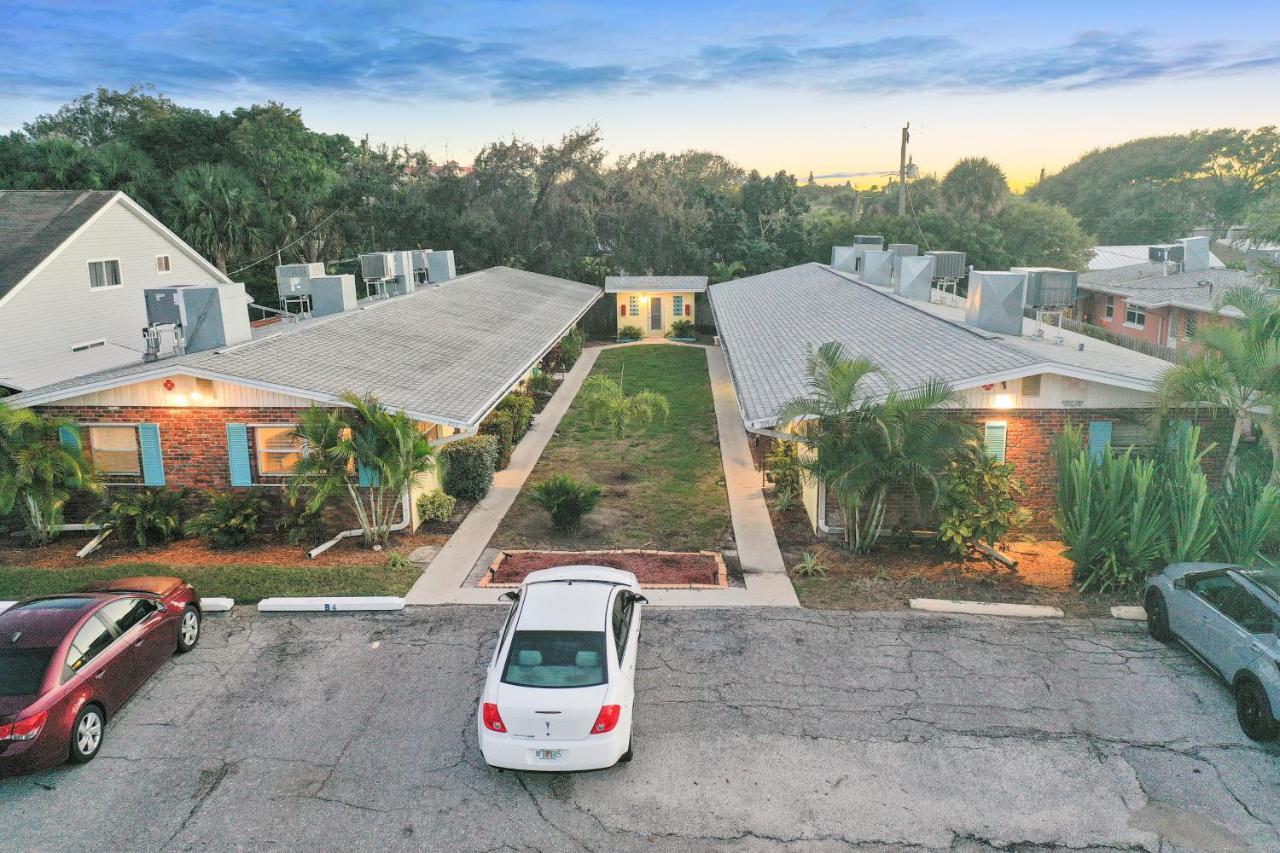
(22, 670)
(1269, 581)
(556, 659)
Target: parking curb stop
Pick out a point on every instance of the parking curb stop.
(5, 605)
(216, 605)
(1133, 614)
(330, 604)
(986, 608)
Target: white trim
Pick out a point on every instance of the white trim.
(134, 479)
(257, 449)
(168, 259)
(119, 273)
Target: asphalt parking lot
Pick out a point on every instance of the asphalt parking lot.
(755, 729)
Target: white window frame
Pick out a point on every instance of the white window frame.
(115, 477)
(1109, 309)
(168, 262)
(1137, 312)
(258, 449)
(119, 274)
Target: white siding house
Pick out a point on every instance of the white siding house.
(73, 267)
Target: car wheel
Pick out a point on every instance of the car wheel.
(626, 756)
(86, 734)
(189, 629)
(1157, 616)
(1253, 710)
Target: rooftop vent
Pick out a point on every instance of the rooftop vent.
(1195, 254)
(199, 317)
(332, 294)
(440, 267)
(995, 302)
(868, 240)
(877, 268)
(404, 281)
(842, 258)
(915, 277)
(904, 250)
(1048, 287)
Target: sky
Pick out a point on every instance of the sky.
(805, 86)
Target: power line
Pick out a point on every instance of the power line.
(298, 239)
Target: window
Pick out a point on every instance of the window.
(90, 642)
(1135, 317)
(634, 306)
(103, 274)
(22, 670)
(126, 613)
(279, 449)
(114, 450)
(622, 607)
(1110, 310)
(677, 306)
(1235, 602)
(163, 265)
(1189, 325)
(556, 659)
(1138, 436)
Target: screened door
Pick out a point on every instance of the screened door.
(655, 314)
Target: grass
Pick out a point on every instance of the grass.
(246, 584)
(663, 486)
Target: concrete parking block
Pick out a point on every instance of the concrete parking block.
(986, 608)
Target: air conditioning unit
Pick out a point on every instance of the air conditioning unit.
(403, 282)
(868, 240)
(948, 265)
(377, 266)
(904, 250)
(440, 267)
(292, 279)
(332, 294)
(995, 302)
(210, 316)
(915, 277)
(1048, 287)
(1165, 254)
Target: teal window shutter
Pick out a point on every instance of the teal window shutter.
(1099, 439)
(238, 455)
(152, 458)
(996, 440)
(70, 437)
(369, 477)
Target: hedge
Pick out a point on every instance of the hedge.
(468, 465)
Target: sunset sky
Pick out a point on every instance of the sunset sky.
(801, 86)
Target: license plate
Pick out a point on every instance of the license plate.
(547, 754)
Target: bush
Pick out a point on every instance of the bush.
(630, 333)
(520, 407)
(571, 348)
(810, 567)
(501, 426)
(681, 329)
(566, 499)
(436, 506)
(783, 465)
(468, 465)
(979, 501)
(229, 520)
(144, 515)
(303, 526)
(542, 384)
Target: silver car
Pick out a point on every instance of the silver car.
(1229, 617)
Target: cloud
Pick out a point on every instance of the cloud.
(501, 51)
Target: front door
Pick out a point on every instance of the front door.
(655, 314)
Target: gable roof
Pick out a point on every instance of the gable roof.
(444, 354)
(656, 283)
(769, 324)
(1147, 286)
(34, 223)
(1110, 257)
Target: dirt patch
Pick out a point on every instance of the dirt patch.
(666, 569)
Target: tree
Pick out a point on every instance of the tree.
(101, 116)
(975, 186)
(38, 473)
(604, 401)
(1032, 233)
(867, 437)
(1236, 371)
(366, 453)
(217, 210)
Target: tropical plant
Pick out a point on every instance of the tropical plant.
(722, 271)
(144, 515)
(975, 186)
(229, 519)
(604, 401)
(217, 210)
(467, 466)
(868, 438)
(783, 465)
(520, 407)
(1186, 493)
(398, 561)
(630, 333)
(979, 501)
(571, 348)
(365, 453)
(501, 425)
(1248, 520)
(1236, 371)
(681, 328)
(436, 506)
(565, 499)
(810, 567)
(302, 525)
(38, 473)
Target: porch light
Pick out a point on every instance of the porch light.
(1003, 401)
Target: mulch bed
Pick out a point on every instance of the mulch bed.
(195, 552)
(668, 569)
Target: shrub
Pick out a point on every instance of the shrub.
(571, 348)
(783, 464)
(38, 473)
(436, 506)
(978, 504)
(501, 426)
(566, 499)
(604, 401)
(302, 525)
(520, 407)
(542, 384)
(229, 520)
(1248, 513)
(681, 329)
(144, 515)
(630, 333)
(810, 567)
(468, 465)
(398, 561)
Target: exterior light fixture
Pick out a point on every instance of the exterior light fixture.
(1002, 401)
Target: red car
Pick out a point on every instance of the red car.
(69, 662)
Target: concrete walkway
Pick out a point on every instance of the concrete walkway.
(763, 571)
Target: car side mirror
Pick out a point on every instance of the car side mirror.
(1180, 583)
(638, 599)
(510, 595)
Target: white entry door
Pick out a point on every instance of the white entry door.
(655, 314)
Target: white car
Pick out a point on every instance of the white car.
(561, 683)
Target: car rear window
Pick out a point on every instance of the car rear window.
(1270, 581)
(556, 659)
(22, 670)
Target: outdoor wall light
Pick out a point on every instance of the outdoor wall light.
(1002, 401)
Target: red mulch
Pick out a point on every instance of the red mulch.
(649, 568)
(194, 552)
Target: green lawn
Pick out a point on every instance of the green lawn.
(663, 487)
(246, 584)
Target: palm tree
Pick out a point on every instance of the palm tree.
(38, 474)
(867, 437)
(217, 210)
(977, 186)
(1236, 371)
(604, 401)
(365, 452)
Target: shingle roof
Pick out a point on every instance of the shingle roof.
(656, 283)
(1110, 257)
(769, 324)
(34, 223)
(444, 354)
(1147, 286)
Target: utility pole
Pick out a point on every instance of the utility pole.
(902, 171)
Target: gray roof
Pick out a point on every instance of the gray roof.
(1110, 257)
(656, 283)
(35, 223)
(444, 354)
(769, 324)
(1146, 286)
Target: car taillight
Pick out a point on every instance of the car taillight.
(24, 729)
(492, 719)
(607, 719)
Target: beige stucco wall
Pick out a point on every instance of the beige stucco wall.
(645, 300)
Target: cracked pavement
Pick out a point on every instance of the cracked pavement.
(755, 729)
